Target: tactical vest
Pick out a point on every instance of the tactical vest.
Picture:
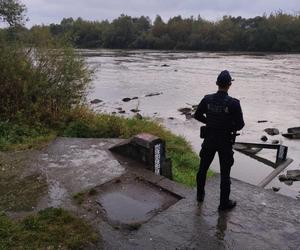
(218, 116)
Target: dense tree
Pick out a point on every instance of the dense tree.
(276, 32)
(12, 12)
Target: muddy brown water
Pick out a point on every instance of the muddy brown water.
(268, 86)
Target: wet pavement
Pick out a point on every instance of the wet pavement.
(74, 165)
(161, 214)
(261, 220)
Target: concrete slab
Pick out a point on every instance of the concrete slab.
(131, 201)
(74, 165)
(262, 220)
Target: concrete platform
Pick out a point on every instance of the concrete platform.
(262, 219)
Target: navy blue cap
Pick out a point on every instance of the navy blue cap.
(224, 77)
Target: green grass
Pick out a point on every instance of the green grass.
(49, 229)
(20, 136)
(19, 190)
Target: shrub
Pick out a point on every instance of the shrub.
(41, 84)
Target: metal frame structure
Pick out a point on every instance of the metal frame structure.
(281, 163)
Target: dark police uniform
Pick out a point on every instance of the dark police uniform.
(223, 116)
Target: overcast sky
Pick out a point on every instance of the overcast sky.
(52, 11)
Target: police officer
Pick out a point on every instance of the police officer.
(223, 116)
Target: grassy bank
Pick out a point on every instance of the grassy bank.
(83, 123)
(19, 136)
(49, 229)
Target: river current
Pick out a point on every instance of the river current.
(268, 86)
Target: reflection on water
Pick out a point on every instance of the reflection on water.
(222, 225)
(266, 84)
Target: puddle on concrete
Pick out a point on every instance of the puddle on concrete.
(133, 201)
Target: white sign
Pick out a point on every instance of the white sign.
(157, 155)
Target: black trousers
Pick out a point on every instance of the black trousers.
(211, 145)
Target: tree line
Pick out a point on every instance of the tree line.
(277, 32)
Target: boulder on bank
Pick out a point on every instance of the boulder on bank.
(272, 131)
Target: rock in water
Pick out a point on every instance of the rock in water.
(185, 111)
(153, 94)
(288, 182)
(272, 131)
(275, 189)
(127, 99)
(275, 142)
(135, 110)
(293, 175)
(282, 178)
(188, 116)
(96, 101)
(264, 138)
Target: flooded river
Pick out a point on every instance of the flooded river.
(268, 87)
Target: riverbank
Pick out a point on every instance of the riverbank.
(86, 124)
(24, 185)
(84, 177)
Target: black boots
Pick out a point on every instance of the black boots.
(200, 197)
(228, 205)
